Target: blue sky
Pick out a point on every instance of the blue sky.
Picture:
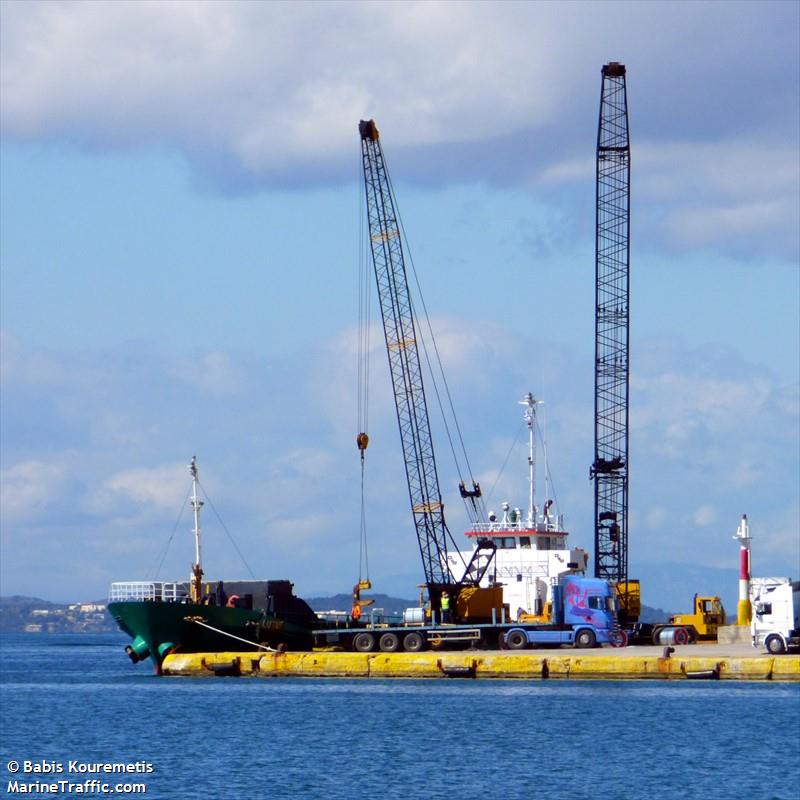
(179, 211)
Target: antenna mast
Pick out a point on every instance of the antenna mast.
(197, 569)
(530, 403)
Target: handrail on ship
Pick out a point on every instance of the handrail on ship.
(137, 591)
(520, 525)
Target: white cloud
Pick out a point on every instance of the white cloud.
(713, 437)
(213, 372)
(159, 487)
(31, 488)
(270, 93)
(228, 76)
(682, 404)
(704, 516)
(694, 194)
(656, 517)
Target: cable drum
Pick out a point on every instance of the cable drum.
(671, 636)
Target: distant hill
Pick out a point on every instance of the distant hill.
(654, 614)
(344, 602)
(20, 614)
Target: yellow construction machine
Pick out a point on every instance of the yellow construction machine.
(707, 616)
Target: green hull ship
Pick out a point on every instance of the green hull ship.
(163, 618)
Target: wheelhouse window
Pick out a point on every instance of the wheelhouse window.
(507, 543)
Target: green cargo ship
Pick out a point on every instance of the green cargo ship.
(197, 616)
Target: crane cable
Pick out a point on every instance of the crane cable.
(163, 554)
(362, 388)
(476, 510)
(156, 568)
(514, 444)
(548, 475)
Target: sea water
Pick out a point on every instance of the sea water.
(75, 701)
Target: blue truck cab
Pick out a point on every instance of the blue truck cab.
(584, 615)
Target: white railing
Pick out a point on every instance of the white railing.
(529, 571)
(137, 591)
(521, 525)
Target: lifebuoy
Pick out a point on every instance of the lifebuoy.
(232, 601)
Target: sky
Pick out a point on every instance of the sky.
(179, 244)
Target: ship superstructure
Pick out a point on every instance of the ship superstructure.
(531, 544)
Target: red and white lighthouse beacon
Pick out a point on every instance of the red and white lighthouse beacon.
(744, 611)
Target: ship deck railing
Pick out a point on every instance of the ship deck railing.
(154, 591)
(520, 525)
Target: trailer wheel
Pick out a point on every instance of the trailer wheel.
(413, 642)
(516, 640)
(775, 645)
(680, 636)
(585, 638)
(389, 643)
(364, 642)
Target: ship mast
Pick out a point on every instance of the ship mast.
(197, 569)
(530, 403)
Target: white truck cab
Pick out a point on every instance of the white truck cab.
(776, 614)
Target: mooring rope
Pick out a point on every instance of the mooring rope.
(225, 633)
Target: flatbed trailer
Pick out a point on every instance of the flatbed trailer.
(489, 636)
(584, 615)
(388, 638)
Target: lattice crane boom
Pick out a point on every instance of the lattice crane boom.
(404, 360)
(612, 328)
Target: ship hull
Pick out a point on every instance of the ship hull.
(159, 628)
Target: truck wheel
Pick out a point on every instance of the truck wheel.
(364, 642)
(619, 638)
(516, 640)
(585, 638)
(389, 643)
(413, 643)
(775, 645)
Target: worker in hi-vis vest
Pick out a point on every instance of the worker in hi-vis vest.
(445, 607)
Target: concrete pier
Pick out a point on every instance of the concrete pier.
(702, 661)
